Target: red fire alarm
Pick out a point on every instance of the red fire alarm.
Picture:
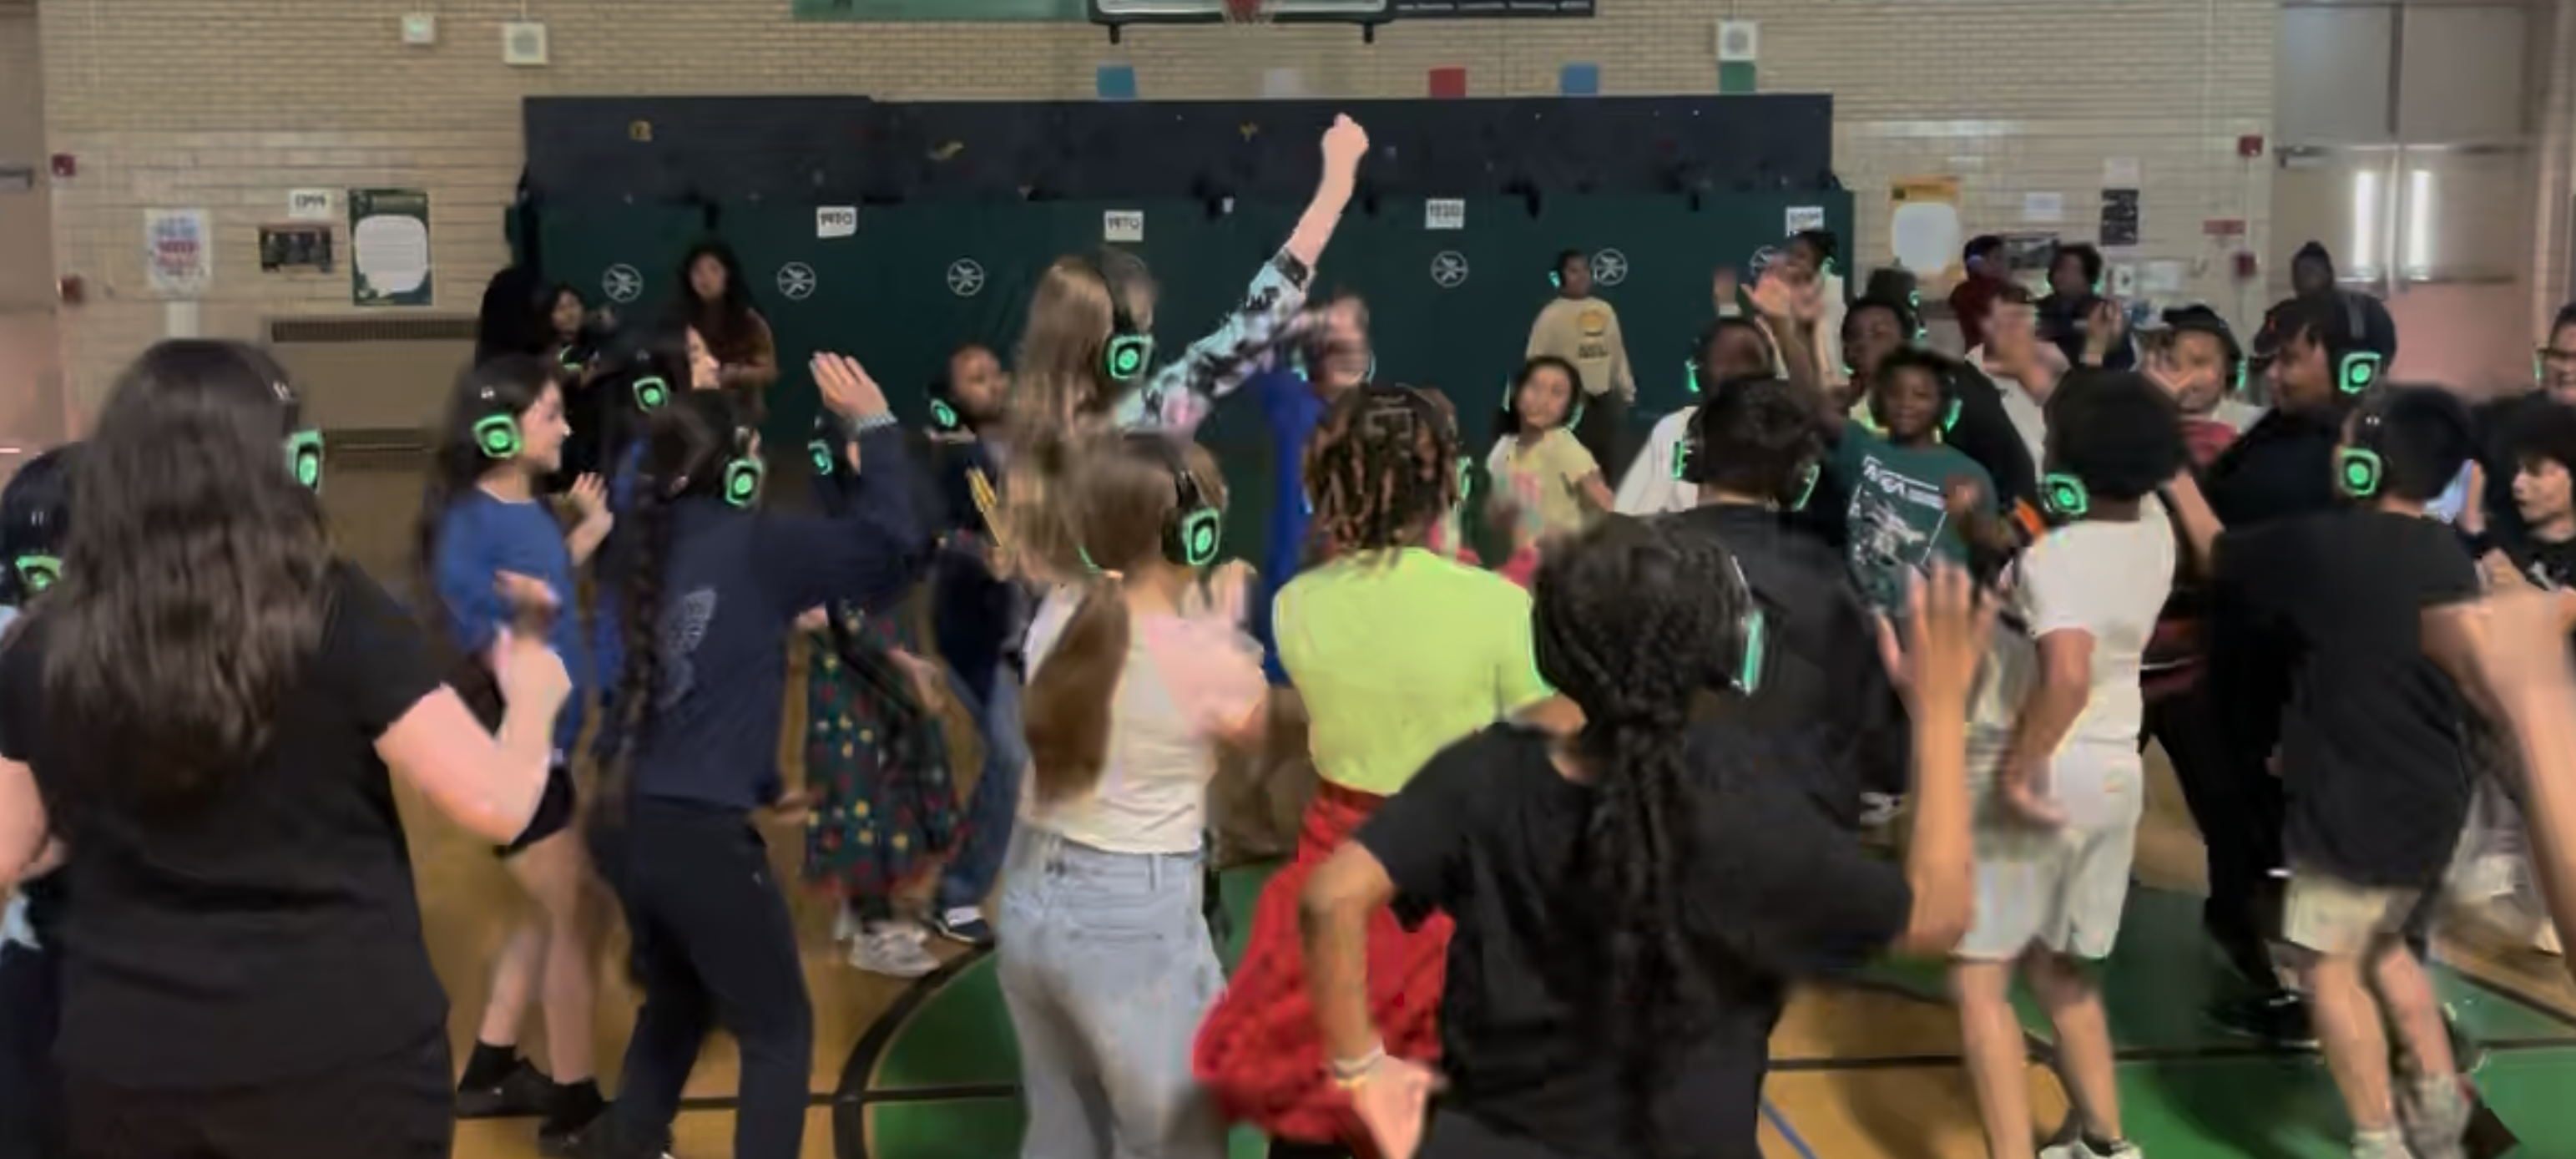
(2250, 145)
(2246, 266)
(71, 290)
(66, 165)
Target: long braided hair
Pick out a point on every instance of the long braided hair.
(685, 446)
(1381, 469)
(1630, 625)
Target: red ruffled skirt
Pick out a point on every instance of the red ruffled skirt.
(1259, 1050)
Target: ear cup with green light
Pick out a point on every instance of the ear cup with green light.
(1466, 479)
(652, 392)
(1123, 360)
(38, 572)
(304, 459)
(742, 478)
(2064, 495)
(2355, 372)
(943, 415)
(497, 436)
(2357, 471)
(1690, 374)
(1751, 646)
(1194, 537)
(823, 456)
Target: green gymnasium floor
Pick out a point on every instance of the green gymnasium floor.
(1866, 1068)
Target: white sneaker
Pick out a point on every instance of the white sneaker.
(846, 925)
(895, 951)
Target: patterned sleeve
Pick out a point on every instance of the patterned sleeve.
(1179, 397)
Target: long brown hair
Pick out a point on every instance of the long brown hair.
(1057, 380)
(1103, 517)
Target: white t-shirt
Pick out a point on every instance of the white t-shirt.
(1649, 487)
(1187, 681)
(2108, 580)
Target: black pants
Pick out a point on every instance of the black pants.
(31, 1091)
(2238, 805)
(1603, 431)
(394, 1107)
(713, 946)
(1450, 1135)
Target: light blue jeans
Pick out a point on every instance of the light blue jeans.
(1107, 968)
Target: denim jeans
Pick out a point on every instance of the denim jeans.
(996, 800)
(1107, 969)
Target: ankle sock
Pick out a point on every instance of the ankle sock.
(488, 1065)
(574, 1106)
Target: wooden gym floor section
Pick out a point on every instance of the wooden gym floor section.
(1865, 1068)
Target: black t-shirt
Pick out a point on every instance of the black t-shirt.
(1985, 433)
(2319, 621)
(270, 931)
(2281, 466)
(1821, 672)
(1769, 890)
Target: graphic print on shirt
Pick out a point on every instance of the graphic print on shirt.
(1895, 520)
(684, 627)
(1594, 321)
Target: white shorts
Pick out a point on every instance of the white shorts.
(2059, 889)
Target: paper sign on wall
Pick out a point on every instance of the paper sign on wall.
(1801, 217)
(1123, 225)
(1444, 213)
(180, 260)
(2120, 172)
(312, 205)
(836, 221)
(2043, 208)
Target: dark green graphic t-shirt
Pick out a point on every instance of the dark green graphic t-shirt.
(1895, 520)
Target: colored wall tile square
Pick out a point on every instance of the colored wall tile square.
(1115, 82)
(1579, 80)
(1448, 83)
(1735, 76)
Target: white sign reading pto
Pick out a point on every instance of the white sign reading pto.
(836, 221)
(1444, 213)
(1123, 225)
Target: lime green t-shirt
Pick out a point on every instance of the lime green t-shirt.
(1396, 655)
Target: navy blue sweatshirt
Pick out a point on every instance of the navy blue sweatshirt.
(733, 583)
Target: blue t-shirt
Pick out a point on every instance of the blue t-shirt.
(1290, 404)
(480, 538)
(733, 584)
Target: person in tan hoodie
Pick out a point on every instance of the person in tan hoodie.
(1584, 330)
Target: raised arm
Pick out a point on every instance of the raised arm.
(1179, 396)
(872, 547)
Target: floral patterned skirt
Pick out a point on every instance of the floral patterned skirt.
(885, 809)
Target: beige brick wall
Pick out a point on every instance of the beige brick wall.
(26, 229)
(227, 104)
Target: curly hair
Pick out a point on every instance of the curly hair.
(2116, 431)
(1381, 468)
(1625, 619)
(195, 585)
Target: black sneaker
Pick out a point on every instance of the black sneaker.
(2280, 1019)
(963, 924)
(523, 1090)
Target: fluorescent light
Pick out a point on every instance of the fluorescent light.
(2365, 221)
(2419, 224)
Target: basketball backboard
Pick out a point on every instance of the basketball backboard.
(1368, 14)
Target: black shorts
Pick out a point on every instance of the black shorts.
(554, 814)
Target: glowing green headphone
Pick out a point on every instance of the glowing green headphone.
(1130, 349)
(304, 459)
(2358, 468)
(2063, 495)
(2356, 371)
(1750, 632)
(652, 392)
(38, 572)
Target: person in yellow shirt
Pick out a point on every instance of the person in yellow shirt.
(1584, 332)
(1397, 652)
(1544, 476)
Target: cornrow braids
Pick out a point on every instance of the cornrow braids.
(1625, 616)
(1381, 468)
